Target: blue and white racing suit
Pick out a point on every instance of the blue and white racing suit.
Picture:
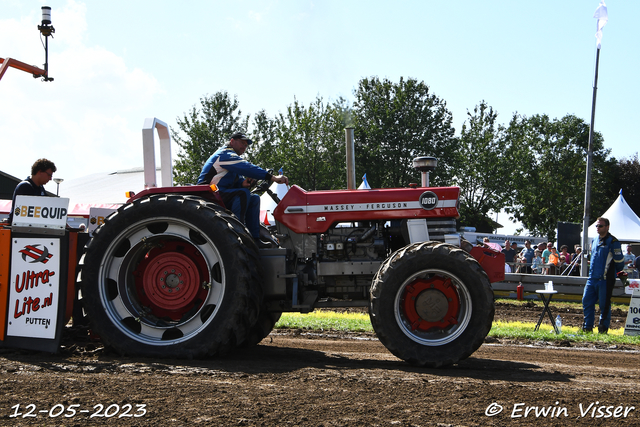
(227, 171)
(604, 252)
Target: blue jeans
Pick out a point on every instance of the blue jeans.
(596, 290)
(246, 207)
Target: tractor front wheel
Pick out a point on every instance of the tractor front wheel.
(431, 304)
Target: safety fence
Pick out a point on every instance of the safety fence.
(569, 288)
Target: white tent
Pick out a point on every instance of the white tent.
(625, 224)
(267, 205)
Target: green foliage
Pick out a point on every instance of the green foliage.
(308, 142)
(345, 112)
(534, 167)
(202, 132)
(484, 174)
(264, 151)
(396, 122)
(628, 174)
(550, 188)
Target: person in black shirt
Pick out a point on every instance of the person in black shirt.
(41, 173)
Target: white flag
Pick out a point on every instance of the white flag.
(602, 17)
(365, 184)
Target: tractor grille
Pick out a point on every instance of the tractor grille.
(439, 227)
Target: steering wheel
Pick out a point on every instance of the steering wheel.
(263, 186)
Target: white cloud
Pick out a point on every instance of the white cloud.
(20, 40)
(71, 23)
(255, 16)
(89, 118)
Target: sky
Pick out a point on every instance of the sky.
(116, 63)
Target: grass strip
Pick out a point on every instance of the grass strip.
(555, 304)
(325, 320)
(525, 330)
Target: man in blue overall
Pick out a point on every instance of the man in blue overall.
(233, 176)
(607, 261)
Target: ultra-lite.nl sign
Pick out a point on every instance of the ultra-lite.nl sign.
(34, 287)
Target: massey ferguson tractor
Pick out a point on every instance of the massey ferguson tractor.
(173, 273)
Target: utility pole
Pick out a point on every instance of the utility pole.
(602, 17)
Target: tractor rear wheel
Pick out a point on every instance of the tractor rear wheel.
(263, 326)
(431, 304)
(171, 276)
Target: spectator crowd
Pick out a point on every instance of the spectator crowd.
(544, 258)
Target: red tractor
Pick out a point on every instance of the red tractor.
(173, 273)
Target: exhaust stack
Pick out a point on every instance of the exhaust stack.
(425, 164)
(351, 159)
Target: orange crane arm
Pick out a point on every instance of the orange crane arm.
(5, 63)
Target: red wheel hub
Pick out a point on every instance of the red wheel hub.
(169, 280)
(431, 303)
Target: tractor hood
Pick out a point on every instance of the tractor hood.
(315, 211)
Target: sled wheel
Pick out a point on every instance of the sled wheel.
(431, 304)
(169, 276)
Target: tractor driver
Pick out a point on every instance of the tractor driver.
(41, 173)
(234, 176)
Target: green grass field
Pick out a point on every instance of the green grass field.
(324, 320)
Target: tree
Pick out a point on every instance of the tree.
(345, 111)
(264, 150)
(396, 122)
(305, 142)
(203, 131)
(311, 145)
(484, 175)
(629, 181)
(551, 188)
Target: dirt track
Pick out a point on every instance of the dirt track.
(314, 379)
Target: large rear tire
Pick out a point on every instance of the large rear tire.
(266, 319)
(431, 304)
(263, 327)
(169, 276)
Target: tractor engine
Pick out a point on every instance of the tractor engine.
(354, 241)
(336, 241)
